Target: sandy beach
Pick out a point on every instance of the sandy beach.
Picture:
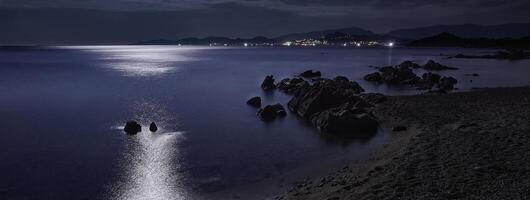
(468, 145)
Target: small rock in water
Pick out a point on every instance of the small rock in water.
(153, 127)
(254, 101)
(268, 83)
(399, 128)
(311, 74)
(132, 128)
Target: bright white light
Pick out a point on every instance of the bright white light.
(246, 44)
(345, 44)
(391, 44)
(287, 43)
(358, 44)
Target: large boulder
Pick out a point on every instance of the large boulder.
(447, 83)
(324, 95)
(345, 119)
(268, 83)
(434, 66)
(254, 101)
(398, 75)
(132, 128)
(373, 77)
(311, 74)
(270, 112)
(409, 64)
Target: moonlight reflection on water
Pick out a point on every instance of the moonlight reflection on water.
(151, 159)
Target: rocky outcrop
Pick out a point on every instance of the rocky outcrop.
(398, 75)
(345, 119)
(268, 83)
(447, 83)
(409, 64)
(434, 66)
(310, 74)
(132, 128)
(373, 77)
(403, 74)
(152, 127)
(254, 101)
(428, 80)
(292, 86)
(324, 95)
(271, 112)
(334, 106)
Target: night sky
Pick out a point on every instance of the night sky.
(115, 21)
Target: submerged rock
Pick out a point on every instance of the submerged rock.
(311, 74)
(434, 66)
(268, 83)
(132, 128)
(270, 112)
(254, 101)
(152, 127)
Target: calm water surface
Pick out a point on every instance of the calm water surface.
(62, 110)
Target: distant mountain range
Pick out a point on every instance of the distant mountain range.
(450, 40)
(515, 30)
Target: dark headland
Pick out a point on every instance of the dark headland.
(466, 145)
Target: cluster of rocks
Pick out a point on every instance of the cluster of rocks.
(333, 106)
(403, 74)
(133, 127)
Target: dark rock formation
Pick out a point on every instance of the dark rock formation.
(292, 86)
(447, 83)
(324, 95)
(132, 128)
(373, 77)
(409, 64)
(270, 112)
(345, 119)
(268, 83)
(152, 127)
(434, 66)
(398, 75)
(428, 80)
(254, 101)
(311, 74)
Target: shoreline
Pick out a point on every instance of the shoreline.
(457, 146)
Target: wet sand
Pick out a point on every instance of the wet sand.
(469, 145)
